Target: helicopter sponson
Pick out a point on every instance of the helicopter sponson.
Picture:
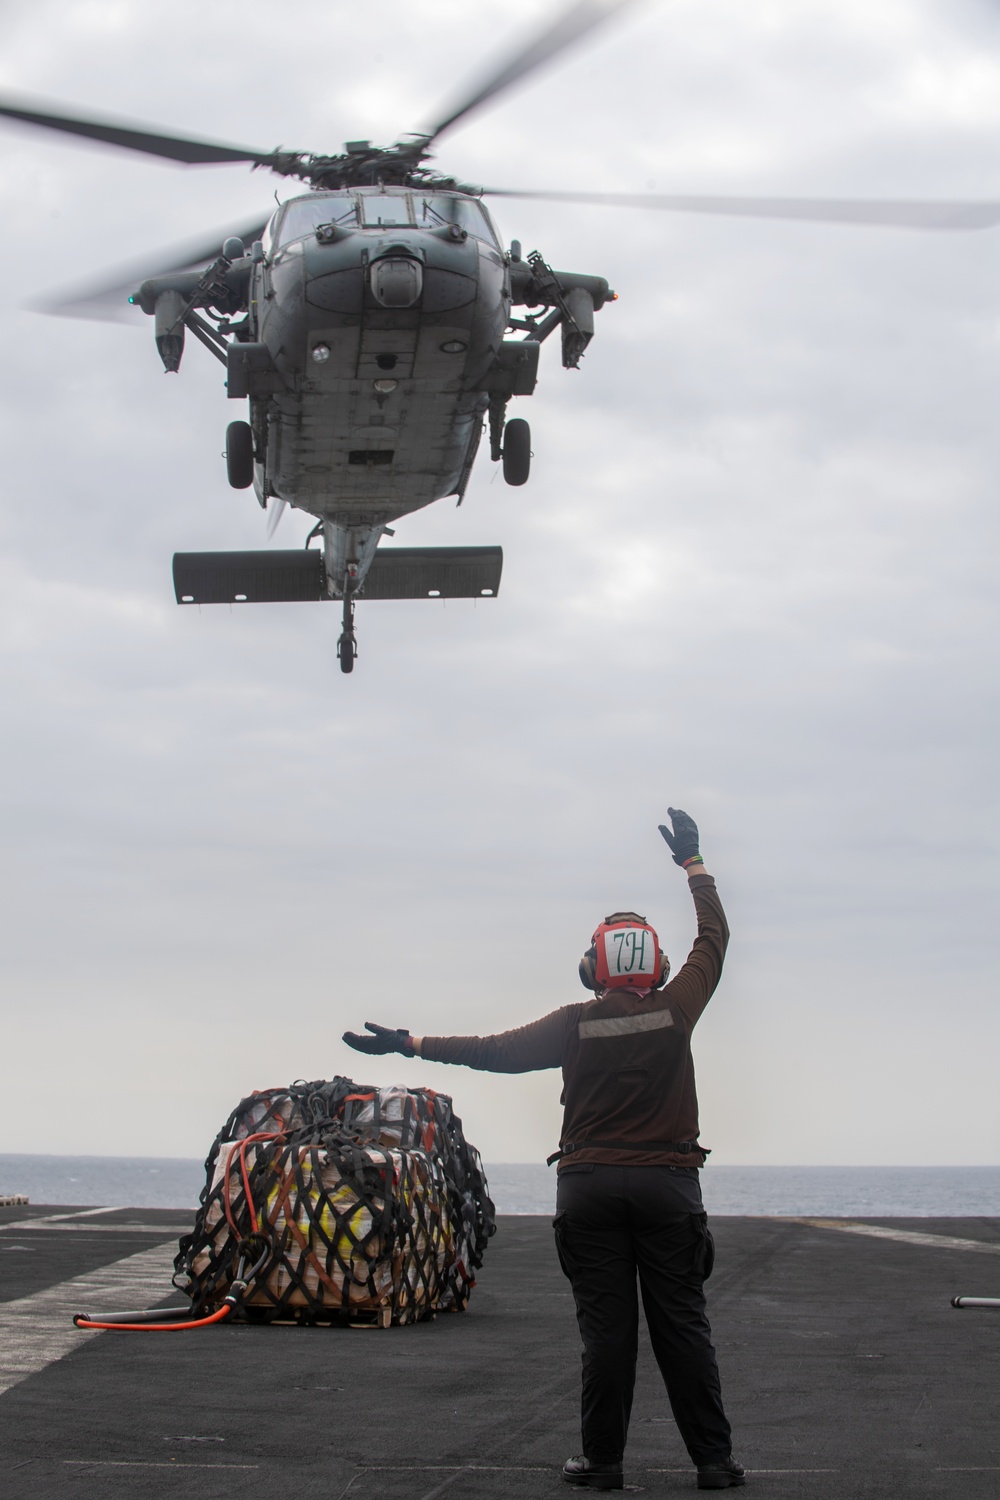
(371, 330)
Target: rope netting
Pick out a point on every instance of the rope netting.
(374, 1204)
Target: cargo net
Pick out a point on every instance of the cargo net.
(372, 1204)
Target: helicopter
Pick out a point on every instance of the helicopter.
(376, 324)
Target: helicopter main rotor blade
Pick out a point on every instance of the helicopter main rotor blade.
(569, 27)
(106, 300)
(135, 138)
(870, 212)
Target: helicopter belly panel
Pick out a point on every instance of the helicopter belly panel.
(387, 410)
(337, 458)
(344, 448)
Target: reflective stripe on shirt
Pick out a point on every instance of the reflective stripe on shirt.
(654, 1020)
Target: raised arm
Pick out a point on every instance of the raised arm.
(695, 983)
(537, 1045)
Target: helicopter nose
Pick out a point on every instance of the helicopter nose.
(397, 281)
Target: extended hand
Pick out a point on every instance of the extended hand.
(683, 837)
(382, 1040)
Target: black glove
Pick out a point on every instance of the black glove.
(382, 1040)
(683, 840)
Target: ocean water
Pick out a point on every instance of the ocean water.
(529, 1188)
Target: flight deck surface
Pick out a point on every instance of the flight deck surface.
(845, 1371)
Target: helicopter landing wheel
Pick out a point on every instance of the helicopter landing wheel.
(347, 650)
(516, 451)
(347, 646)
(239, 455)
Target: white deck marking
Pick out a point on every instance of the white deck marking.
(35, 1331)
(82, 1213)
(903, 1236)
(61, 1221)
(43, 1220)
(23, 1225)
(540, 1469)
(141, 1463)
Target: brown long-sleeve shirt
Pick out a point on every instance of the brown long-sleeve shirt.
(628, 1073)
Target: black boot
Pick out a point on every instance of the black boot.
(720, 1473)
(594, 1476)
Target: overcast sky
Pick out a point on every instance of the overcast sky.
(753, 575)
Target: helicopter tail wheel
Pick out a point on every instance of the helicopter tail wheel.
(239, 455)
(516, 451)
(347, 651)
(347, 646)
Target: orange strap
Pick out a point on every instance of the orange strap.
(241, 1148)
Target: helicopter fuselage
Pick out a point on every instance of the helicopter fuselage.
(372, 347)
(383, 332)
(381, 315)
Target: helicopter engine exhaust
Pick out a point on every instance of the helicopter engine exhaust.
(169, 314)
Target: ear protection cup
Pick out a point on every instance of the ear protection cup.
(588, 968)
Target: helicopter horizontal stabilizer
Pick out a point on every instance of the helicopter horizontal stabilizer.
(276, 577)
(434, 573)
(267, 577)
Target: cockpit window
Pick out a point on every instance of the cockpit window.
(386, 208)
(445, 209)
(303, 215)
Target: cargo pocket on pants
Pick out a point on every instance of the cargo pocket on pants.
(562, 1249)
(705, 1256)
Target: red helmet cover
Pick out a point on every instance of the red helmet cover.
(626, 955)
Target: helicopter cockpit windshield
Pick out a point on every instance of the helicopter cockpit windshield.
(386, 208)
(468, 213)
(304, 215)
(300, 217)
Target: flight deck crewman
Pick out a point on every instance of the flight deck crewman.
(628, 1198)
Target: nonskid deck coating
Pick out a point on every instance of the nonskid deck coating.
(846, 1373)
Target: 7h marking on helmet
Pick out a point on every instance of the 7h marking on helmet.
(630, 950)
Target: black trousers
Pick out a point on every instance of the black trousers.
(611, 1224)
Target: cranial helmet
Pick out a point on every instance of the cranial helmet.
(624, 953)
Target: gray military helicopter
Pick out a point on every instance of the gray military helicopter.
(367, 324)
(370, 324)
